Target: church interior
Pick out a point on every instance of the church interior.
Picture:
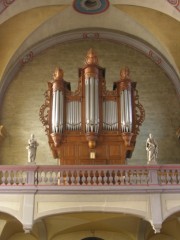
(36, 37)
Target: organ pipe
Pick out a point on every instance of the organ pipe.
(92, 104)
(57, 112)
(126, 110)
(110, 116)
(73, 115)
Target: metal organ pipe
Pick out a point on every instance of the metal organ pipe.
(91, 104)
(110, 116)
(96, 106)
(126, 110)
(61, 110)
(92, 100)
(53, 112)
(87, 98)
(73, 115)
(57, 112)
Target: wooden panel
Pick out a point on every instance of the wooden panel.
(69, 150)
(114, 150)
(67, 161)
(83, 151)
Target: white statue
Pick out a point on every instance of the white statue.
(152, 150)
(32, 147)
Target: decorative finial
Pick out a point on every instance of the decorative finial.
(91, 57)
(58, 74)
(124, 73)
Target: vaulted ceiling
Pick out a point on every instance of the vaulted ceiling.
(29, 27)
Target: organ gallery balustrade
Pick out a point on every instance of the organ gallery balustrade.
(121, 176)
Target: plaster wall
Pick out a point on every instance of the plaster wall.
(22, 101)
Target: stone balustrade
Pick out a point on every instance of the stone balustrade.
(119, 176)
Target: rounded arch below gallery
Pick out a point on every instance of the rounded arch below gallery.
(95, 226)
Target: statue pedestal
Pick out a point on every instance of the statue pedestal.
(31, 163)
(152, 162)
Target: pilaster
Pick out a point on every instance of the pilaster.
(156, 212)
(28, 212)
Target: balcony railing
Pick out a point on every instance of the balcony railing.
(96, 177)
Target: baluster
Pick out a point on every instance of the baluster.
(163, 177)
(169, 177)
(116, 177)
(83, 179)
(1, 175)
(100, 178)
(39, 177)
(46, 177)
(20, 177)
(88, 177)
(78, 179)
(147, 177)
(3, 178)
(160, 177)
(69, 175)
(61, 177)
(127, 177)
(42, 177)
(72, 179)
(55, 177)
(23, 177)
(178, 176)
(94, 178)
(66, 178)
(138, 177)
(173, 177)
(131, 177)
(144, 177)
(122, 178)
(110, 177)
(105, 179)
(50, 177)
(8, 177)
(14, 178)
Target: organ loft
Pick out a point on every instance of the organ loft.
(92, 125)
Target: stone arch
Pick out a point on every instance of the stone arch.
(9, 213)
(171, 212)
(83, 225)
(10, 225)
(95, 209)
(95, 34)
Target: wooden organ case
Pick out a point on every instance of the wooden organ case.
(92, 125)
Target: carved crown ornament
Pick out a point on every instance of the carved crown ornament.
(92, 125)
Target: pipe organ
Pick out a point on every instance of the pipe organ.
(92, 125)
